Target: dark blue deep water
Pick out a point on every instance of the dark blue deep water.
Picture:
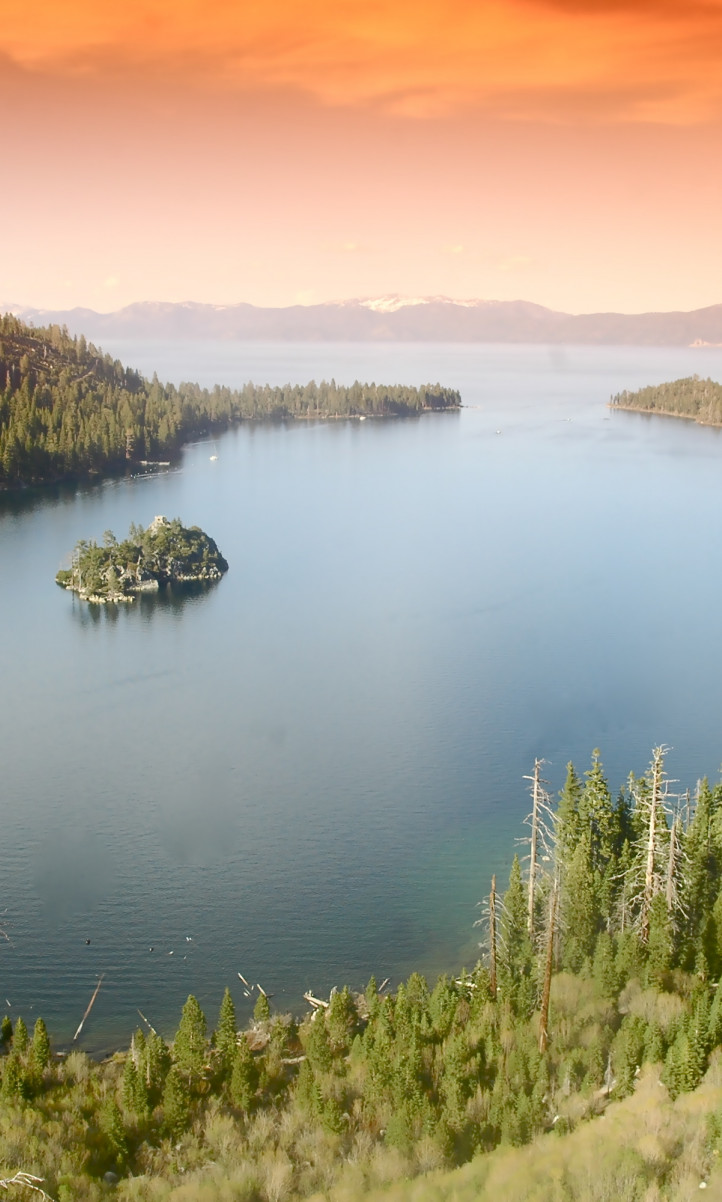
(309, 773)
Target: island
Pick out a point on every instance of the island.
(165, 553)
(694, 398)
(69, 412)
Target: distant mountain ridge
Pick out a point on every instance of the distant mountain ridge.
(388, 318)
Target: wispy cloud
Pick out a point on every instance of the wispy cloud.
(414, 58)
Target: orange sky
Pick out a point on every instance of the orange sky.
(563, 151)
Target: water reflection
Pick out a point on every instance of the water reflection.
(170, 599)
(21, 501)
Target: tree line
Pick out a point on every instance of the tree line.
(603, 953)
(692, 397)
(67, 410)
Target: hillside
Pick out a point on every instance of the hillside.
(391, 319)
(68, 411)
(599, 982)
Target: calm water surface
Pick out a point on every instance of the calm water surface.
(309, 773)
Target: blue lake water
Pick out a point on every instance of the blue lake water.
(309, 773)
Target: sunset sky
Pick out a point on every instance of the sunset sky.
(562, 151)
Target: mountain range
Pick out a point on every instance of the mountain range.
(386, 319)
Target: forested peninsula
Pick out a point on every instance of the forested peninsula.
(597, 994)
(165, 553)
(68, 411)
(694, 398)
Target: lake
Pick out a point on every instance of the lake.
(309, 773)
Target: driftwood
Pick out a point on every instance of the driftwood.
(28, 1180)
(317, 1002)
(148, 1024)
(245, 982)
(90, 1007)
(383, 984)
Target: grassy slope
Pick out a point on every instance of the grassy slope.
(643, 1149)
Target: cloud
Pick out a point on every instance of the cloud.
(419, 59)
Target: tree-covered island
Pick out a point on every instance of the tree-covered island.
(68, 411)
(165, 553)
(693, 398)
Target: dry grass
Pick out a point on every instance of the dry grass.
(643, 1149)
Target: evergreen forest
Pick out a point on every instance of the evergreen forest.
(68, 411)
(700, 400)
(596, 997)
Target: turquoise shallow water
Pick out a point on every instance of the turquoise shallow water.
(309, 773)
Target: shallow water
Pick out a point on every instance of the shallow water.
(309, 772)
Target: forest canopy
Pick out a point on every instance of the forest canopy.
(691, 397)
(67, 410)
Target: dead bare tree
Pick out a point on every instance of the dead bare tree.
(492, 938)
(491, 908)
(658, 849)
(542, 837)
(28, 1181)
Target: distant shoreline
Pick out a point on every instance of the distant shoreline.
(686, 417)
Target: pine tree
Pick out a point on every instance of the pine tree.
(40, 1050)
(596, 814)
(714, 1029)
(604, 969)
(113, 1131)
(6, 1031)
(21, 1038)
(189, 1045)
(130, 1084)
(341, 1021)
(568, 816)
(628, 1052)
(318, 1045)
(14, 1079)
(701, 876)
(261, 1010)
(371, 993)
(660, 946)
(244, 1076)
(157, 1061)
(654, 1044)
(226, 1033)
(176, 1103)
(515, 960)
(579, 907)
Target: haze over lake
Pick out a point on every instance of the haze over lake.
(308, 773)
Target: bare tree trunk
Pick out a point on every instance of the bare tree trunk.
(492, 938)
(548, 966)
(656, 785)
(533, 845)
(671, 892)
